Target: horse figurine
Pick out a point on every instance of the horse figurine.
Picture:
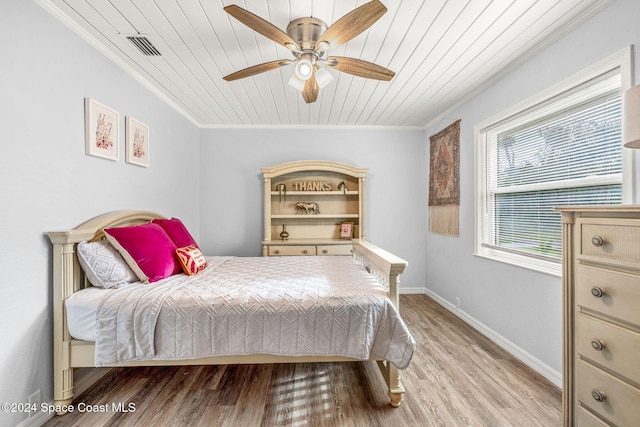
(308, 208)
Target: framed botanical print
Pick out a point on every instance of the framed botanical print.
(137, 142)
(101, 130)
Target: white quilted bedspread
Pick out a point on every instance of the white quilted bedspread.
(292, 306)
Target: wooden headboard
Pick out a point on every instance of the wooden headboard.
(65, 264)
(69, 278)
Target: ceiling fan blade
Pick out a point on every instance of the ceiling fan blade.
(360, 68)
(352, 24)
(257, 69)
(311, 89)
(263, 27)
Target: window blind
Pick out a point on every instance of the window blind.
(565, 151)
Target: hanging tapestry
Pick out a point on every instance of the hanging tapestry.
(444, 181)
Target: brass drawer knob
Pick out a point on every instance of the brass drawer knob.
(597, 241)
(325, 251)
(597, 344)
(597, 395)
(277, 251)
(597, 292)
(305, 251)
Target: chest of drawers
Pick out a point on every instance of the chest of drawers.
(601, 315)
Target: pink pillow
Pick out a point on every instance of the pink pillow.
(147, 249)
(176, 230)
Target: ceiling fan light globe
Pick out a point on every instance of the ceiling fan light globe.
(304, 69)
(296, 83)
(323, 77)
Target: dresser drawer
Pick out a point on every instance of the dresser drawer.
(289, 250)
(613, 242)
(620, 292)
(587, 419)
(334, 249)
(620, 402)
(609, 345)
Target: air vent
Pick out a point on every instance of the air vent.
(144, 45)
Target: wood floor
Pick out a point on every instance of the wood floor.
(457, 378)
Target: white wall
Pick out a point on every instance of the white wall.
(47, 183)
(522, 306)
(231, 183)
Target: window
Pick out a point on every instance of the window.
(562, 149)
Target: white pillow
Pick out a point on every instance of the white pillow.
(103, 265)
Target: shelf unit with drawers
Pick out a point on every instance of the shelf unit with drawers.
(601, 315)
(310, 200)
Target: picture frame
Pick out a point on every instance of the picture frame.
(136, 142)
(346, 230)
(102, 131)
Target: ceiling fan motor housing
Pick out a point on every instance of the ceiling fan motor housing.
(306, 32)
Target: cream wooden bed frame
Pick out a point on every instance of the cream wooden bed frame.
(69, 353)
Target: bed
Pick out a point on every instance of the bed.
(245, 306)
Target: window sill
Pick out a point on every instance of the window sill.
(541, 266)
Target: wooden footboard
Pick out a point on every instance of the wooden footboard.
(68, 278)
(387, 268)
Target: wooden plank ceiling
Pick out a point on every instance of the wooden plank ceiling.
(443, 52)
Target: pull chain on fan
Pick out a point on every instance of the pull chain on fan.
(309, 39)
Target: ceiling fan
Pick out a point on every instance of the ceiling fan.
(309, 39)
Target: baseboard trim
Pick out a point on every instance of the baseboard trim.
(84, 378)
(534, 363)
(412, 290)
(37, 420)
